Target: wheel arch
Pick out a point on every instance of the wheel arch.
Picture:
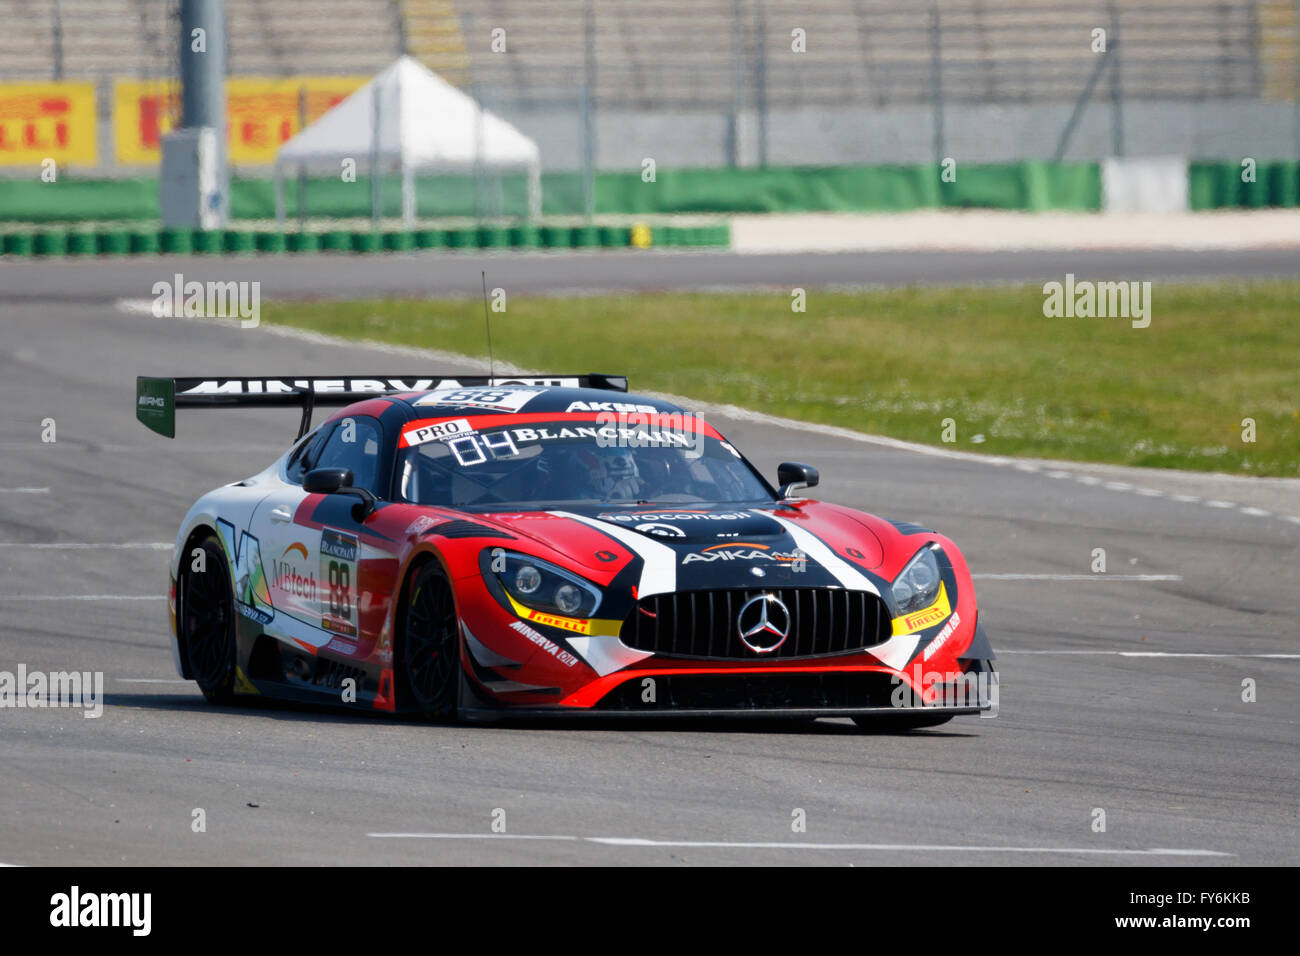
(415, 563)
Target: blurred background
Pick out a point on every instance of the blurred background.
(743, 105)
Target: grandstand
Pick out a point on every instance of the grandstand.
(715, 83)
(697, 54)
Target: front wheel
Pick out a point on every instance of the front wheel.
(429, 650)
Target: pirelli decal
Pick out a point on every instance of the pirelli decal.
(926, 617)
(593, 627)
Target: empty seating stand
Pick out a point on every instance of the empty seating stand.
(702, 54)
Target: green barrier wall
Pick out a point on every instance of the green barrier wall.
(1028, 186)
(120, 240)
(1219, 185)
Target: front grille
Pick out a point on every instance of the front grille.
(703, 623)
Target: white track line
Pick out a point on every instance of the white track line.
(151, 680)
(1078, 577)
(1003, 650)
(90, 545)
(730, 845)
(471, 836)
(25, 491)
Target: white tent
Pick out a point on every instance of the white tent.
(410, 118)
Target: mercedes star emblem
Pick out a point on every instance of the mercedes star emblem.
(763, 623)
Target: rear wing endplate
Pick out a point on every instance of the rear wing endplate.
(156, 399)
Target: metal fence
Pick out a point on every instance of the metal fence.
(753, 82)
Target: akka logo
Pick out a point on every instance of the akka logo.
(292, 579)
(755, 552)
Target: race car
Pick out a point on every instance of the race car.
(478, 547)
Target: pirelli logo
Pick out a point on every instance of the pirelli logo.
(576, 624)
(926, 617)
(931, 615)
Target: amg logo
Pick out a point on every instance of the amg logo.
(73, 909)
(154, 401)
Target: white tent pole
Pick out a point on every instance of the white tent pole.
(279, 196)
(408, 190)
(408, 195)
(534, 190)
(376, 174)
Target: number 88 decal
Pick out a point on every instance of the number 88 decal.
(340, 589)
(338, 558)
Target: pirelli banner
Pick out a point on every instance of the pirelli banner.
(47, 121)
(261, 114)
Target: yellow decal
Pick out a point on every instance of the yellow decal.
(926, 617)
(261, 114)
(40, 121)
(242, 684)
(595, 627)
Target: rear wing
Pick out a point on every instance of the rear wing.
(156, 399)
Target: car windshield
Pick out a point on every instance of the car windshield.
(571, 461)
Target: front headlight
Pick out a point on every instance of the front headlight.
(541, 585)
(918, 585)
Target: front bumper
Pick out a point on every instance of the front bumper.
(769, 693)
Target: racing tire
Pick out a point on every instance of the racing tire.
(428, 653)
(207, 622)
(893, 723)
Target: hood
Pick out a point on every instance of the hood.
(722, 546)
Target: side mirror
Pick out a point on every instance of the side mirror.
(338, 481)
(791, 476)
(327, 481)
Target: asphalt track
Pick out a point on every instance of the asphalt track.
(1091, 716)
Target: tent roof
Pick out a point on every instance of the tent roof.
(424, 121)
